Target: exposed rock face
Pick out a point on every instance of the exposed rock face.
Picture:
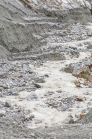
(21, 28)
(62, 4)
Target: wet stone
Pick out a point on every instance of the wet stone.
(46, 75)
(4, 86)
(81, 98)
(49, 93)
(89, 47)
(15, 94)
(0, 94)
(80, 114)
(32, 116)
(26, 67)
(86, 93)
(32, 96)
(7, 104)
(39, 80)
(69, 119)
(1, 89)
(29, 117)
(12, 93)
(2, 113)
(37, 85)
(59, 91)
(63, 104)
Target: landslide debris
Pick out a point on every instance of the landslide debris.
(21, 28)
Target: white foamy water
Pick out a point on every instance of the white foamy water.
(57, 80)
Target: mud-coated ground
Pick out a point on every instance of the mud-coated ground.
(45, 71)
(8, 130)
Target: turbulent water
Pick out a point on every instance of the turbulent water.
(42, 57)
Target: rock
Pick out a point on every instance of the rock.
(37, 85)
(0, 94)
(7, 104)
(38, 121)
(4, 86)
(49, 93)
(3, 75)
(39, 80)
(31, 116)
(86, 93)
(26, 67)
(30, 71)
(59, 91)
(80, 98)
(46, 75)
(32, 135)
(80, 114)
(69, 68)
(18, 75)
(69, 120)
(10, 92)
(32, 96)
(13, 93)
(87, 119)
(2, 113)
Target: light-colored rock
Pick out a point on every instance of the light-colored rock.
(2, 113)
(69, 119)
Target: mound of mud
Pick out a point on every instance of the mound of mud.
(21, 27)
(87, 119)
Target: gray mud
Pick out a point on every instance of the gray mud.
(8, 130)
(19, 33)
(30, 38)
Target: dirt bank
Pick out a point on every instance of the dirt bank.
(44, 92)
(21, 28)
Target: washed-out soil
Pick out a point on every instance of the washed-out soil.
(29, 38)
(8, 129)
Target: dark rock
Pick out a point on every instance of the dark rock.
(10, 92)
(1, 89)
(13, 93)
(59, 91)
(46, 75)
(3, 75)
(0, 94)
(7, 104)
(80, 98)
(4, 86)
(37, 85)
